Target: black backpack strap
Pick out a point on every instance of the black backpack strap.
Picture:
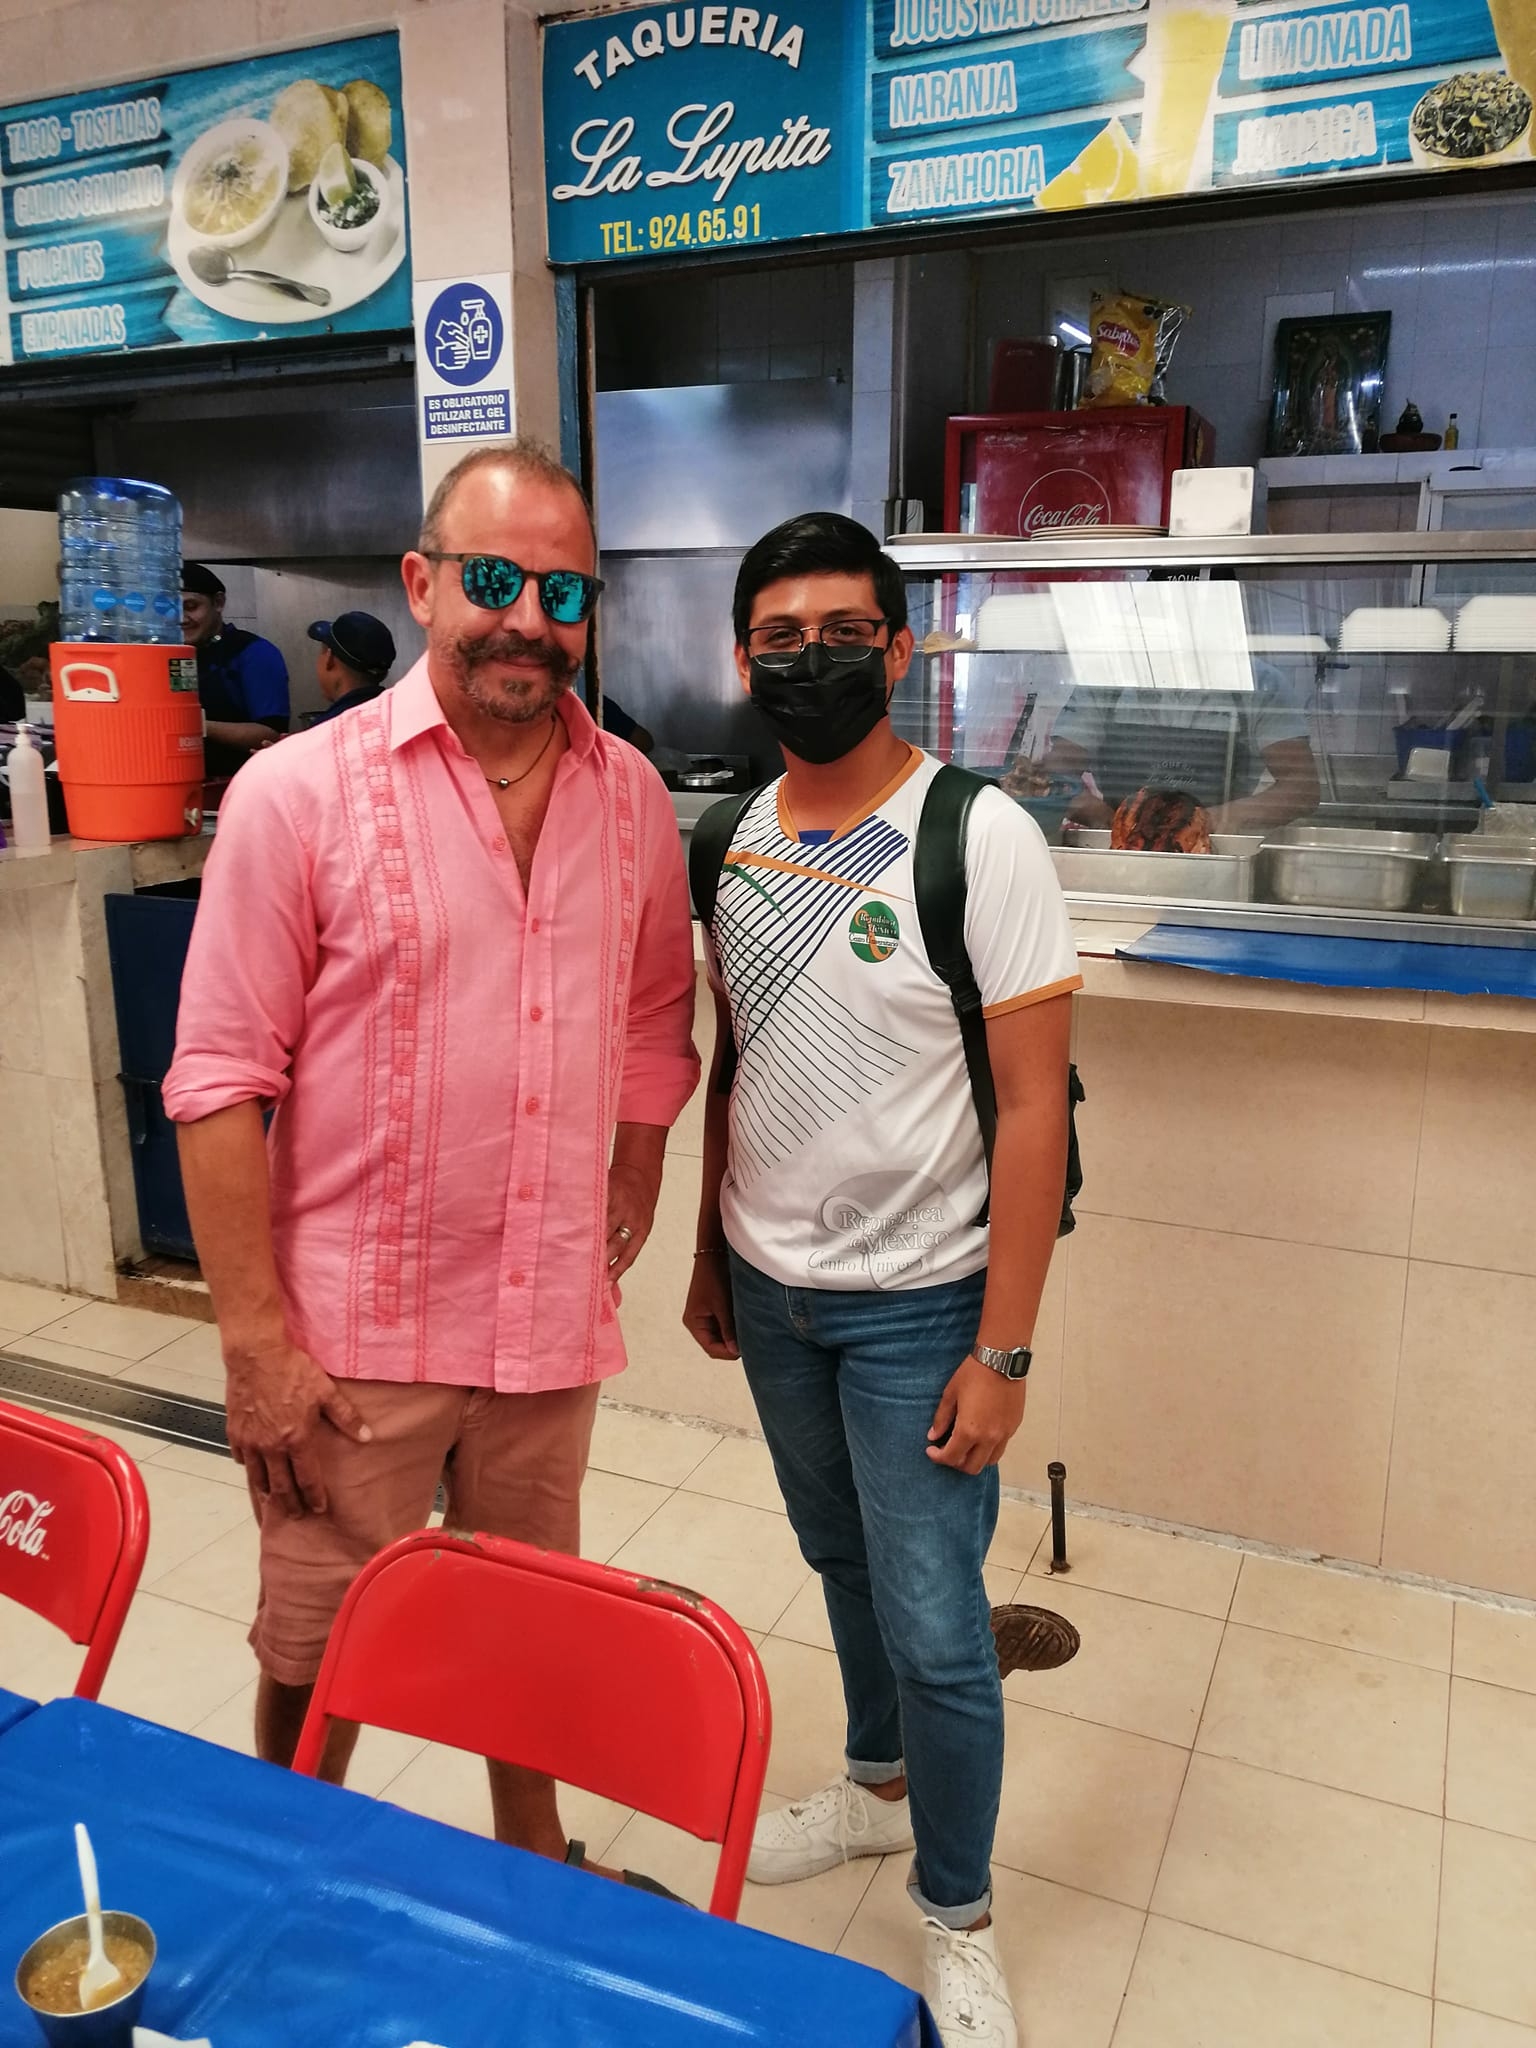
(707, 848)
(938, 870)
(938, 867)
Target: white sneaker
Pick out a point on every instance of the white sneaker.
(815, 1834)
(966, 1991)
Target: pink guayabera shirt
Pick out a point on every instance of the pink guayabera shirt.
(448, 1056)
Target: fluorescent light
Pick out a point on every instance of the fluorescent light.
(1077, 333)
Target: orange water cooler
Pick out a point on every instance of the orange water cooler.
(128, 729)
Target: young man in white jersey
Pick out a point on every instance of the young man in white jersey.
(883, 1324)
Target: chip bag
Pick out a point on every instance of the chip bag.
(1133, 339)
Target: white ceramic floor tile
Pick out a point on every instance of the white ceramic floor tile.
(73, 1357)
(203, 1464)
(1021, 1528)
(1496, 1645)
(612, 1509)
(1455, 2027)
(222, 1578)
(173, 1664)
(1086, 1806)
(743, 1558)
(125, 1333)
(186, 1514)
(641, 1446)
(1147, 1564)
(1193, 1989)
(810, 1720)
(1373, 1725)
(1336, 1879)
(1140, 1667)
(24, 1308)
(195, 1351)
(738, 1468)
(1346, 1609)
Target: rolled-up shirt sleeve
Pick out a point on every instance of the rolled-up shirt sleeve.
(661, 1065)
(251, 960)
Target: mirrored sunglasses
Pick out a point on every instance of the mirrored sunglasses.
(493, 583)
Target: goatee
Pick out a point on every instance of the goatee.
(515, 700)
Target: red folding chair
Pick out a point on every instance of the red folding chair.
(640, 1691)
(74, 1526)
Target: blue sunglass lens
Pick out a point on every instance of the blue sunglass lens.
(491, 582)
(567, 596)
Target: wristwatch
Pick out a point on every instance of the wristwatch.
(1013, 1365)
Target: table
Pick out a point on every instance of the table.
(290, 1913)
(1327, 962)
(13, 1706)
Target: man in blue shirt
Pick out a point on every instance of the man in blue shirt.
(242, 680)
(357, 652)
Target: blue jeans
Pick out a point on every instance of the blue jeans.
(845, 1386)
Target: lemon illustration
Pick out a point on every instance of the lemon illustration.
(234, 187)
(335, 177)
(1105, 170)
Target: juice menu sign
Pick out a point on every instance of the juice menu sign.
(670, 129)
(238, 203)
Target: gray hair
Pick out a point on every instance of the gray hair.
(525, 459)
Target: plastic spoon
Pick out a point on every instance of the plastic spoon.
(100, 1978)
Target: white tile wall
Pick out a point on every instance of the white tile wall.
(1458, 276)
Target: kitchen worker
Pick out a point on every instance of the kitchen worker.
(1245, 757)
(242, 680)
(447, 939)
(883, 1326)
(357, 652)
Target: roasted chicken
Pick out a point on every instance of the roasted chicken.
(1161, 821)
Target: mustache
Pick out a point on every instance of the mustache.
(477, 653)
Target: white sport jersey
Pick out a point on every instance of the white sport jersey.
(855, 1156)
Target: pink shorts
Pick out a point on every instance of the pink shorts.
(513, 1466)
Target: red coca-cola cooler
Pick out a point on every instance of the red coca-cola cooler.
(1034, 474)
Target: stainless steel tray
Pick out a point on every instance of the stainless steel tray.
(1180, 877)
(1492, 885)
(1097, 837)
(1329, 867)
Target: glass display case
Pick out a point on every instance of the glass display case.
(1330, 731)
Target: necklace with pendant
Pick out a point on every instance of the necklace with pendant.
(511, 781)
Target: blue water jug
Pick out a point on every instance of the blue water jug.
(120, 561)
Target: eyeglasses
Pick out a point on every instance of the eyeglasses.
(844, 639)
(492, 582)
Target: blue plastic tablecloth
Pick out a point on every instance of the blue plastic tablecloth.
(13, 1706)
(291, 1914)
(1340, 963)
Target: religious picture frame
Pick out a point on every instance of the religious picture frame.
(1330, 375)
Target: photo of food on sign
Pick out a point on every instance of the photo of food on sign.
(236, 201)
(671, 127)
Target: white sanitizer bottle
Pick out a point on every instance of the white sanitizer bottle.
(29, 795)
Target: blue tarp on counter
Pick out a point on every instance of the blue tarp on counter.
(1340, 963)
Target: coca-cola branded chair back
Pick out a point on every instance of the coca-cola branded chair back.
(74, 1526)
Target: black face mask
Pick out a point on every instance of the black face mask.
(819, 708)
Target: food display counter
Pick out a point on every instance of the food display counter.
(1309, 733)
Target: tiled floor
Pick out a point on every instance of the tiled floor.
(1267, 1806)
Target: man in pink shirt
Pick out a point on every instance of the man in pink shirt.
(448, 938)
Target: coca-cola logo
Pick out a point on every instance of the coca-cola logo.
(1061, 499)
(22, 1516)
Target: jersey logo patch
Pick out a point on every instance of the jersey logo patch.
(873, 932)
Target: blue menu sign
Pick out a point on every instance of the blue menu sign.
(134, 217)
(678, 128)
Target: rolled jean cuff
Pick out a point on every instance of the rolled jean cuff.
(959, 1918)
(875, 1774)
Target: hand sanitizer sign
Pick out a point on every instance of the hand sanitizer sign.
(461, 366)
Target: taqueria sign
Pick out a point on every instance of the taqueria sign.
(679, 128)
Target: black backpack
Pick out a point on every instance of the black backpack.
(939, 877)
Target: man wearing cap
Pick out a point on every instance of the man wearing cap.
(242, 680)
(357, 652)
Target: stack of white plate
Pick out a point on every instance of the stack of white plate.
(1497, 625)
(1076, 533)
(1397, 629)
